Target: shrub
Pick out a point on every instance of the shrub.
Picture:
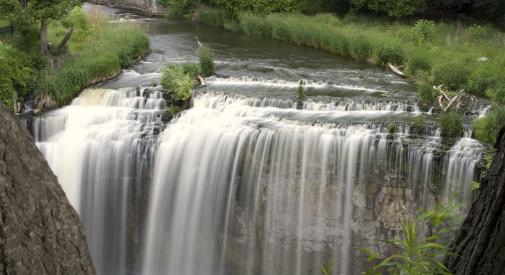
(178, 84)
(450, 125)
(395, 8)
(387, 52)
(486, 128)
(206, 57)
(479, 81)
(213, 17)
(417, 63)
(478, 32)
(180, 8)
(16, 75)
(191, 69)
(300, 94)
(416, 254)
(426, 95)
(454, 76)
(423, 32)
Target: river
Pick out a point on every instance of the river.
(249, 180)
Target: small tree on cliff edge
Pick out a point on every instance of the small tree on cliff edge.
(31, 12)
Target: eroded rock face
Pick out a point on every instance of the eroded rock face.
(479, 247)
(40, 233)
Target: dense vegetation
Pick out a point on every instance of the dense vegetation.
(96, 50)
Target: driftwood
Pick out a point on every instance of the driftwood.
(65, 39)
(202, 81)
(446, 102)
(396, 70)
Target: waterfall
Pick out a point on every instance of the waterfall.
(241, 185)
(251, 188)
(100, 149)
(460, 164)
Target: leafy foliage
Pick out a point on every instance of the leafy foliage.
(180, 8)
(177, 82)
(486, 128)
(397, 8)
(423, 31)
(16, 74)
(419, 252)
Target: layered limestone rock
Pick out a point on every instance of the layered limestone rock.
(40, 233)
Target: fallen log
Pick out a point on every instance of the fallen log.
(395, 70)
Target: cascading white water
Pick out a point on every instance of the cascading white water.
(460, 165)
(229, 174)
(99, 147)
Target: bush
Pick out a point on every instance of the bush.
(486, 128)
(479, 81)
(16, 75)
(478, 32)
(423, 32)
(387, 52)
(213, 17)
(417, 63)
(191, 69)
(180, 8)
(178, 84)
(450, 125)
(426, 95)
(206, 57)
(454, 76)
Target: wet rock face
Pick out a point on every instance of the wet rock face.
(479, 247)
(40, 233)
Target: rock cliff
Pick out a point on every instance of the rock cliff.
(479, 248)
(40, 233)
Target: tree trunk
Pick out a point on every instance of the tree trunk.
(65, 39)
(43, 36)
(479, 247)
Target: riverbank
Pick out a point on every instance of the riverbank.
(97, 50)
(461, 58)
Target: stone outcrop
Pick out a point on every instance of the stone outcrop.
(479, 247)
(40, 233)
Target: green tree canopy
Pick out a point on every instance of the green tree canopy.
(30, 12)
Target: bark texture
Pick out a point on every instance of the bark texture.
(479, 247)
(40, 233)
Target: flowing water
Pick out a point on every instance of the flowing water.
(249, 180)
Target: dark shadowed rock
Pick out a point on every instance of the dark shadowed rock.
(479, 247)
(40, 232)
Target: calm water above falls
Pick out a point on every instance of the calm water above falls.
(248, 181)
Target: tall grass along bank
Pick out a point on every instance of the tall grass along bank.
(468, 58)
(108, 49)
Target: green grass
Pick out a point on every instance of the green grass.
(206, 57)
(101, 54)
